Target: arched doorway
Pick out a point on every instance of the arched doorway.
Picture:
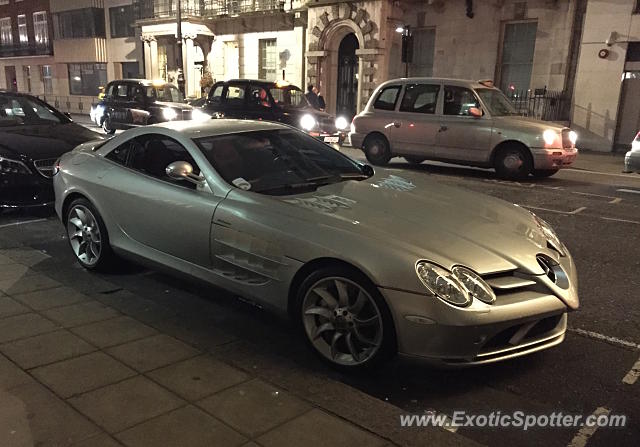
(347, 86)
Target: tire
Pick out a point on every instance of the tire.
(414, 160)
(90, 247)
(353, 335)
(376, 149)
(543, 173)
(513, 162)
(106, 125)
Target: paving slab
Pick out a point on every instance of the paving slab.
(152, 352)
(187, 426)
(125, 404)
(198, 377)
(319, 429)
(254, 407)
(25, 255)
(114, 331)
(81, 374)
(28, 284)
(9, 307)
(11, 375)
(24, 325)
(5, 260)
(14, 271)
(102, 440)
(81, 313)
(45, 348)
(49, 298)
(51, 421)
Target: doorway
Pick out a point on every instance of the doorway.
(347, 90)
(629, 111)
(10, 77)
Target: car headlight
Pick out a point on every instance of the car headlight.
(199, 115)
(475, 285)
(442, 283)
(551, 236)
(341, 123)
(169, 114)
(307, 122)
(549, 136)
(573, 136)
(9, 166)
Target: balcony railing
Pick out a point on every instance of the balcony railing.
(30, 49)
(157, 9)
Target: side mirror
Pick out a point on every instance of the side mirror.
(68, 115)
(182, 170)
(367, 170)
(475, 112)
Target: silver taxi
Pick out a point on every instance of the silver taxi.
(458, 121)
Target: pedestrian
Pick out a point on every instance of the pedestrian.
(321, 104)
(312, 97)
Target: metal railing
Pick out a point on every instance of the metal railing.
(155, 9)
(29, 49)
(542, 104)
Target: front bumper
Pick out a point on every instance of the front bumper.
(632, 161)
(559, 158)
(332, 138)
(356, 140)
(429, 329)
(23, 190)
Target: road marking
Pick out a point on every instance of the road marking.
(583, 435)
(633, 374)
(620, 220)
(576, 211)
(22, 222)
(613, 199)
(633, 191)
(584, 171)
(605, 338)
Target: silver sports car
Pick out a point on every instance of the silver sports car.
(369, 264)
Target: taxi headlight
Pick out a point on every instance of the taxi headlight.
(549, 136)
(199, 115)
(573, 136)
(307, 122)
(443, 284)
(341, 123)
(169, 114)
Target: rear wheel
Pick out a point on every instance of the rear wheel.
(376, 149)
(87, 236)
(513, 162)
(414, 160)
(345, 319)
(543, 173)
(106, 125)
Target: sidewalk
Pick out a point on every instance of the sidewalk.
(607, 162)
(86, 364)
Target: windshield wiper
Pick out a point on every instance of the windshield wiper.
(338, 177)
(295, 186)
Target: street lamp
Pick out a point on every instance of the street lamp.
(407, 47)
(181, 82)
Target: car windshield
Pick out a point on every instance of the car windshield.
(19, 110)
(277, 162)
(497, 103)
(289, 96)
(166, 93)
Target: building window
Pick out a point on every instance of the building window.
(267, 54)
(518, 45)
(636, 10)
(424, 41)
(26, 75)
(47, 79)
(79, 23)
(121, 20)
(40, 28)
(22, 29)
(6, 35)
(86, 79)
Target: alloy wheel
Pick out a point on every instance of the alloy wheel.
(84, 235)
(342, 321)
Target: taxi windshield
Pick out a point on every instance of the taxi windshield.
(288, 96)
(496, 101)
(166, 93)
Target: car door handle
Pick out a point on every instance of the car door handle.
(443, 128)
(397, 125)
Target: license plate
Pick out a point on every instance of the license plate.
(331, 139)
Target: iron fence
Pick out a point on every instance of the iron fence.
(151, 9)
(542, 104)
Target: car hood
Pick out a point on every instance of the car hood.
(175, 105)
(524, 122)
(42, 142)
(442, 224)
(299, 111)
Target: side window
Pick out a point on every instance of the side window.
(235, 95)
(420, 98)
(111, 88)
(137, 94)
(387, 98)
(458, 100)
(259, 97)
(216, 93)
(121, 91)
(122, 153)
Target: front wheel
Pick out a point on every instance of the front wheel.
(543, 173)
(376, 149)
(87, 236)
(345, 319)
(106, 125)
(513, 162)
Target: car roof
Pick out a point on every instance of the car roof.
(450, 81)
(145, 82)
(215, 127)
(10, 93)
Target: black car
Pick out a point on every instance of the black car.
(33, 135)
(137, 102)
(273, 101)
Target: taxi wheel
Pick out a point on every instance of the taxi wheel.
(513, 162)
(415, 160)
(543, 173)
(106, 126)
(376, 149)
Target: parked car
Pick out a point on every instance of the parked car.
(33, 135)
(464, 122)
(632, 158)
(138, 102)
(368, 264)
(274, 101)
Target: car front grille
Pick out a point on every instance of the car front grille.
(508, 283)
(327, 125)
(566, 142)
(186, 114)
(45, 166)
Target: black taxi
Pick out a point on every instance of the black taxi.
(137, 102)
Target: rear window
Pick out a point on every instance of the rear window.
(387, 98)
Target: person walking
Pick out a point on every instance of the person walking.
(321, 104)
(312, 97)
